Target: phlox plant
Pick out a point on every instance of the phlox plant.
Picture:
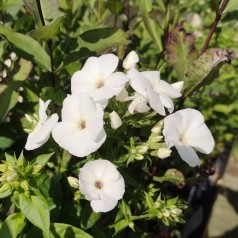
(99, 135)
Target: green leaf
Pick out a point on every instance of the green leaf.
(56, 95)
(115, 6)
(88, 217)
(231, 6)
(13, 225)
(180, 49)
(9, 96)
(50, 10)
(67, 231)
(96, 41)
(119, 226)
(48, 31)
(43, 159)
(149, 200)
(36, 210)
(26, 47)
(153, 29)
(205, 69)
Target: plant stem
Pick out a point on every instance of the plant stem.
(214, 25)
(49, 43)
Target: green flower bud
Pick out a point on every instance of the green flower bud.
(73, 182)
(132, 225)
(3, 168)
(142, 149)
(12, 168)
(25, 185)
(50, 164)
(164, 153)
(37, 168)
(176, 212)
(12, 177)
(139, 157)
(166, 213)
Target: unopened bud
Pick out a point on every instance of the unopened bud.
(3, 168)
(164, 153)
(37, 168)
(73, 182)
(132, 225)
(166, 213)
(139, 157)
(12, 177)
(131, 60)
(50, 164)
(142, 149)
(5, 187)
(176, 212)
(116, 121)
(25, 185)
(157, 127)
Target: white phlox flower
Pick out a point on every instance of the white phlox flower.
(81, 130)
(186, 129)
(115, 119)
(98, 79)
(157, 92)
(131, 60)
(101, 184)
(138, 104)
(41, 132)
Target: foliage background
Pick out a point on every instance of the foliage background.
(45, 59)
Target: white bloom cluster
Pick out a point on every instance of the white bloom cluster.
(81, 129)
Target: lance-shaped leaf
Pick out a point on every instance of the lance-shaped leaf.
(36, 210)
(26, 47)
(181, 50)
(95, 41)
(205, 69)
(153, 29)
(65, 230)
(48, 9)
(48, 31)
(13, 225)
(9, 96)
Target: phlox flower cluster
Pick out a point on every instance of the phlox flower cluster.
(81, 129)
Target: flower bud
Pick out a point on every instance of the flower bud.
(132, 225)
(12, 177)
(166, 213)
(131, 60)
(5, 187)
(139, 157)
(142, 149)
(25, 185)
(37, 168)
(176, 212)
(116, 121)
(73, 182)
(164, 153)
(157, 127)
(3, 168)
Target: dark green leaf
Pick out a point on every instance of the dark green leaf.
(50, 10)
(56, 95)
(9, 96)
(36, 210)
(13, 225)
(48, 31)
(115, 6)
(96, 41)
(43, 159)
(88, 217)
(67, 231)
(26, 47)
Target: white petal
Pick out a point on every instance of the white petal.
(139, 104)
(77, 142)
(77, 107)
(92, 67)
(131, 60)
(42, 110)
(82, 82)
(201, 139)
(171, 129)
(178, 86)
(122, 95)
(166, 100)
(116, 82)
(104, 205)
(138, 82)
(115, 189)
(41, 133)
(152, 76)
(108, 64)
(188, 154)
(155, 102)
(101, 94)
(167, 89)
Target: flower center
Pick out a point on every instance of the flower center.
(183, 139)
(99, 84)
(98, 184)
(82, 124)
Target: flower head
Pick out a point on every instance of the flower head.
(81, 130)
(155, 91)
(186, 129)
(101, 184)
(97, 78)
(43, 128)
